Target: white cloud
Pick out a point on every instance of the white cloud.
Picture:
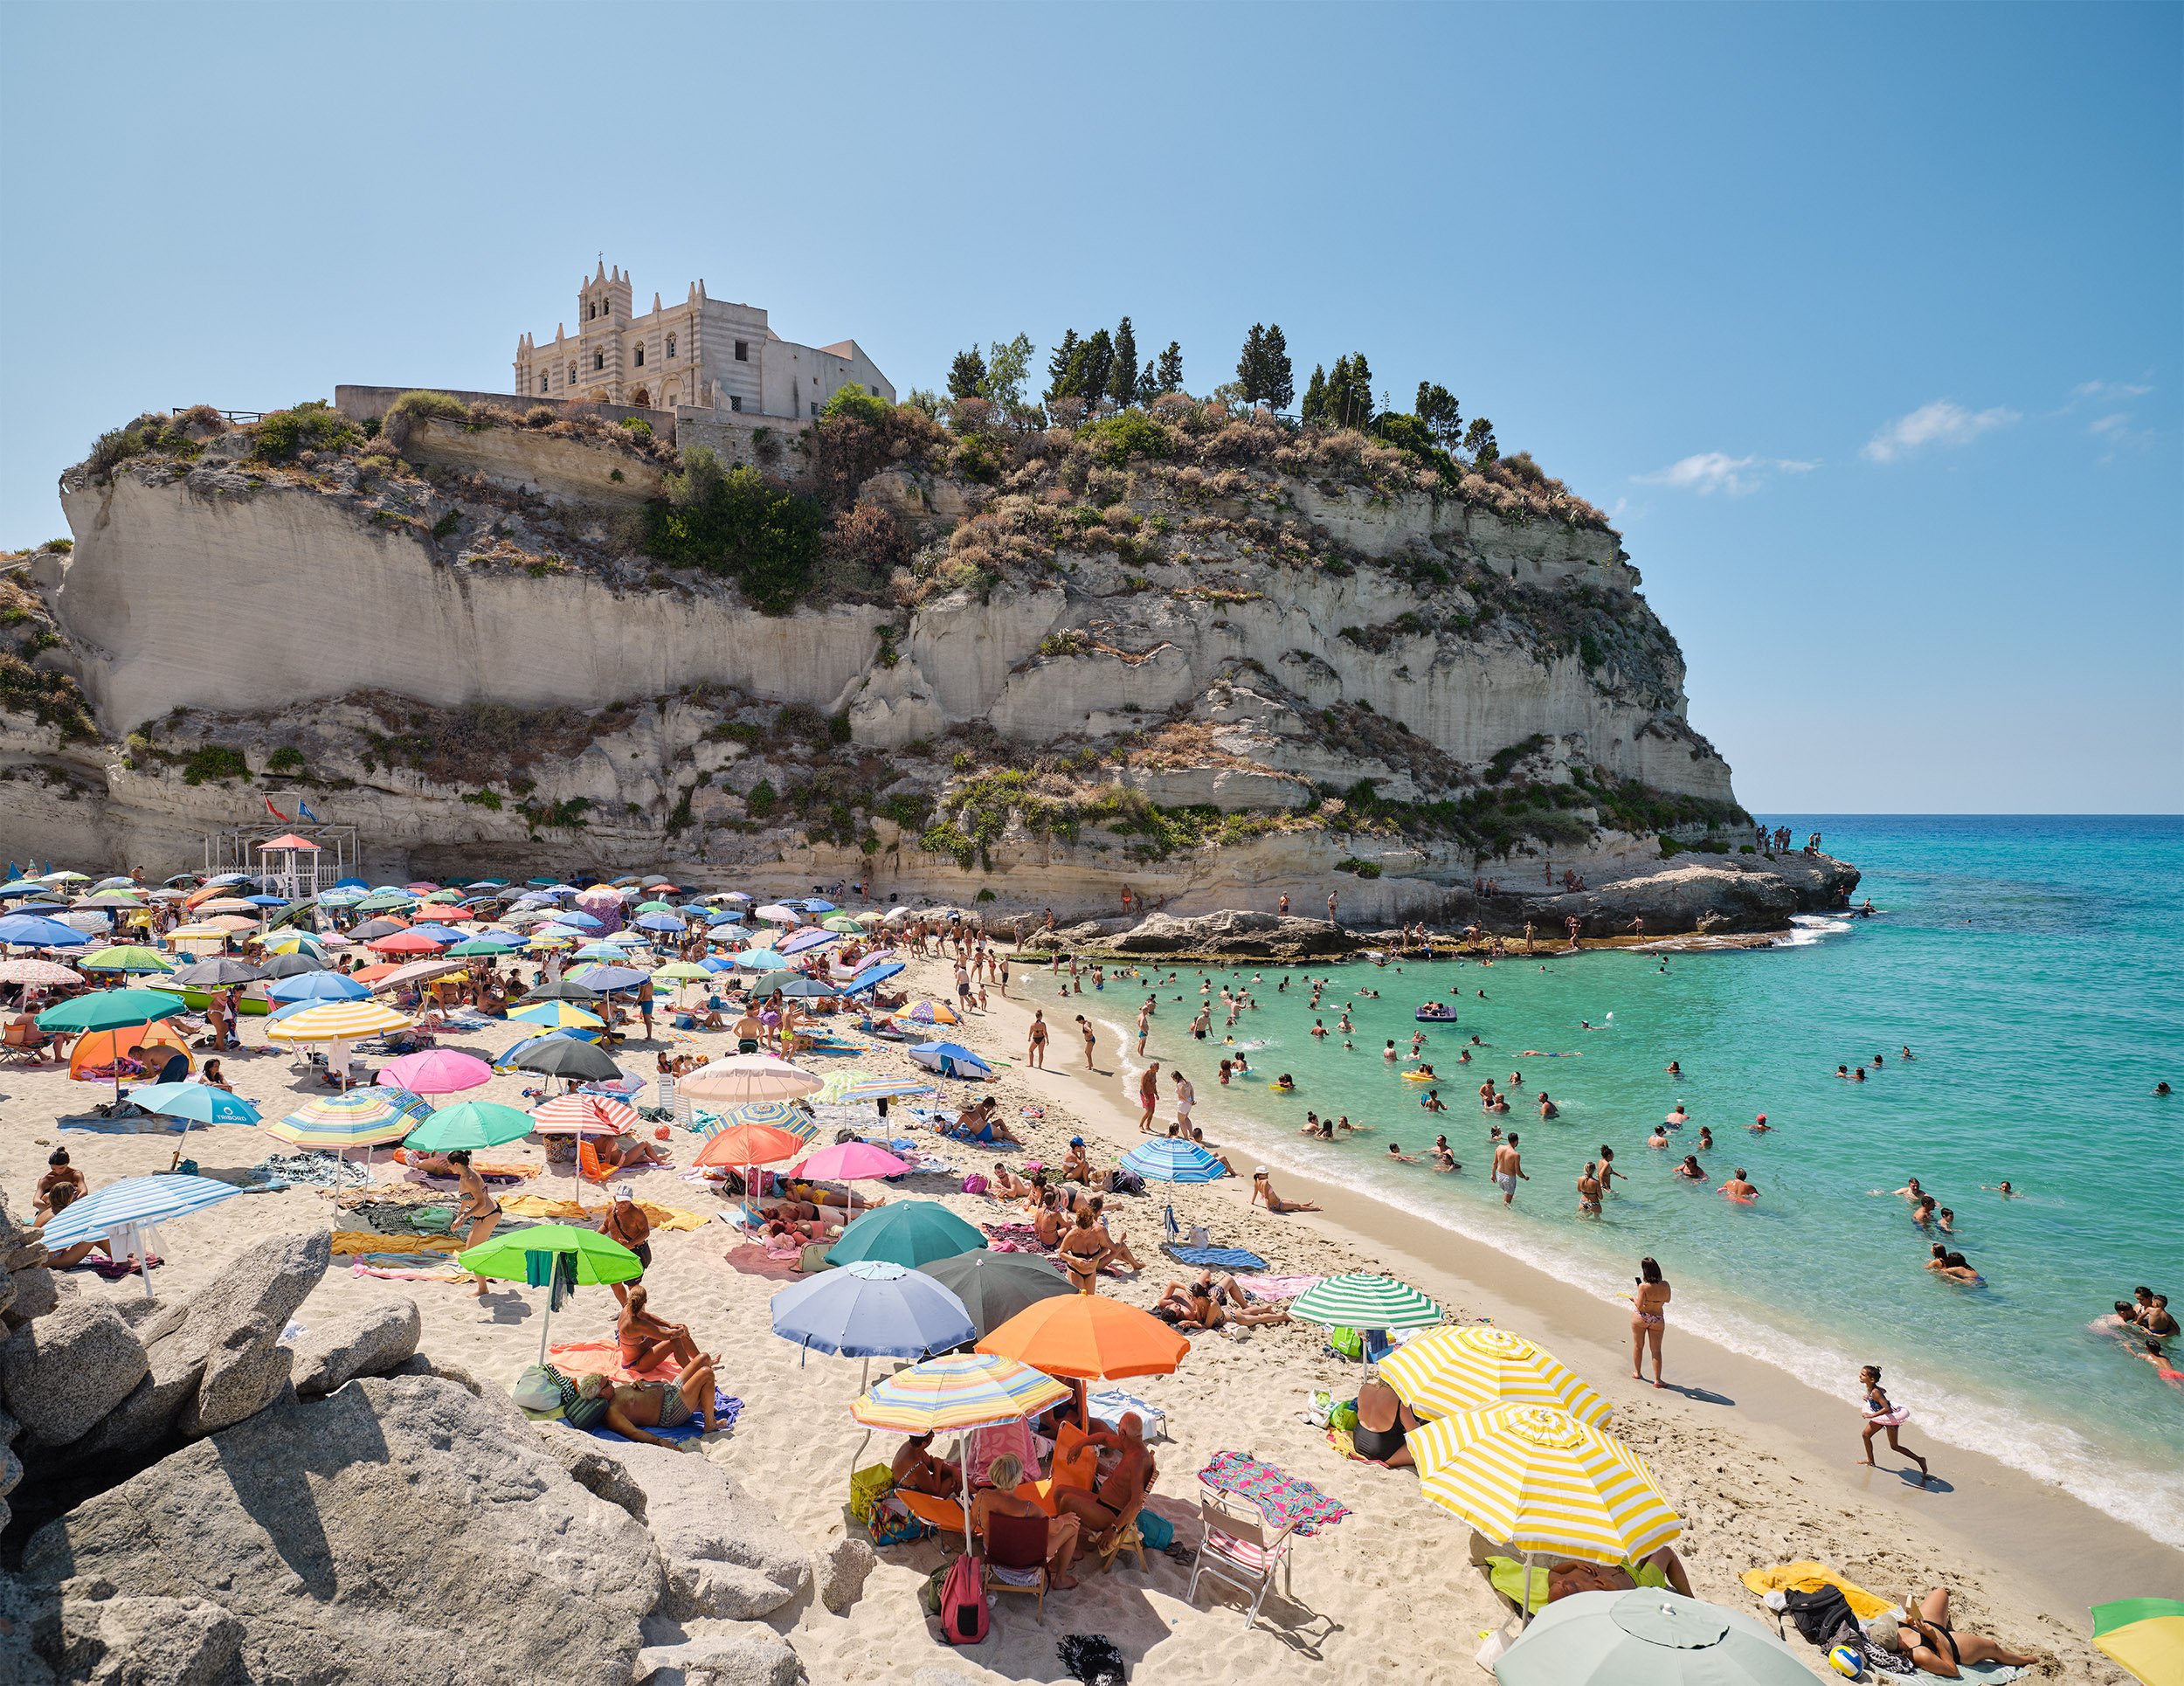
(1716, 471)
(2111, 390)
(2111, 426)
(1938, 423)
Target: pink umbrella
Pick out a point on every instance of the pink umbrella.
(436, 1071)
(585, 1115)
(849, 1162)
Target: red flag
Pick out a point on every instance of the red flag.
(274, 812)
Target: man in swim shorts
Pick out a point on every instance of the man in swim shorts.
(1509, 1169)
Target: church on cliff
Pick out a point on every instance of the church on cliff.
(701, 354)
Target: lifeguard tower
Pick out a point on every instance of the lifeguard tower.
(289, 866)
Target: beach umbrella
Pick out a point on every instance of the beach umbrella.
(655, 905)
(747, 1144)
(802, 988)
(872, 977)
(849, 1162)
(872, 1309)
(358, 1117)
(1648, 1637)
(950, 1060)
(601, 950)
(1171, 1159)
(744, 1077)
(995, 1287)
(808, 939)
(384, 901)
(2145, 1636)
(111, 1010)
(471, 1124)
(774, 914)
(563, 1056)
(1466, 1367)
(548, 940)
(66, 876)
(607, 978)
(593, 1259)
(436, 1071)
(1541, 1481)
(127, 958)
(563, 989)
(933, 1012)
(417, 972)
(120, 1213)
(555, 1015)
(337, 1021)
(438, 932)
(43, 974)
(679, 971)
(580, 922)
(316, 985)
(849, 1088)
(200, 1103)
(295, 942)
(225, 904)
(843, 924)
(584, 1115)
(409, 942)
(1089, 1335)
(659, 922)
(599, 896)
(214, 974)
(759, 960)
(907, 1233)
(1363, 1300)
(484, 943)
(957, 1392)
(372, 930)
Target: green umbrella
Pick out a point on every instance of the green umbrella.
(655, 906)
(907, 1233)
(508, 1257)
(126, 957)
(470, 1124)
(112, 1010)
(1647, 1638)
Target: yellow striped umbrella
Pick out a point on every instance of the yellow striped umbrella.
(1464, 1369)
(337, 1021)
(1544, 1482)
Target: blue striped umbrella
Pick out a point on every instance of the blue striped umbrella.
(118, 1213)
(811, 937)
(1169, 1160)
(774, 1115)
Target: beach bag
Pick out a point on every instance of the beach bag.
(867, 1488)
(1824, 1616)
(1344, 1417)
(892, 1526)
(1319, 1408)
(1123, 1180)
(1346, 1343)
(963, 1612)
(974, 1184)
(1155, 1530)
(1093, 1659)
(535, 1390)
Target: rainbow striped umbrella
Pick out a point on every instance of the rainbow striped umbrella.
(1542, 1480)
(964, 1389)
(759, 1115)
(337, 1021)
(556, 1015)
(848, 1089)
(361, 1117)
(1469, 1367)
(1362, 1300)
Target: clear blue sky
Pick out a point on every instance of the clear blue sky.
(1867, 322)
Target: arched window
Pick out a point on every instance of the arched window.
(598, 360)
(573, 374)
(590, 312)
(671, 345)
(640, 354)
(544, 380)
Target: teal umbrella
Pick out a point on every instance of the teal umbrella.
(907, 1233)
(470, 1124)
(1649, 1637)
(112, 1010)
(200, 1103)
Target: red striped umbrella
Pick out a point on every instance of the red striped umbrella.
(585, 1115)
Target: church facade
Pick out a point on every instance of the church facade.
(701, 354)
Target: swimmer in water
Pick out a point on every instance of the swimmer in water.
(2002, 1189)
(1690, 1170)
(1922, 1214)
(1858, 1076)
(1608, 1173)
(1675, 1068)
(1395, 1152)
(1842, 1071)
(1678, 1119)
(1389, 1053)
(1285, 1084)
(1910, 1190)
(2154, 1356)
(1318, 1028)
(1589, 1191)
(1548, 1109)
(1432, 1102)
(1947, 1220)
(1759, 1126)
(1906, 1054)
(1659, 1138)
(2162, 1087)
(1738, 1189)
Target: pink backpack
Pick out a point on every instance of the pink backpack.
(964, 1614)
(974, 1184)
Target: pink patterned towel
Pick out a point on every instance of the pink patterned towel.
(1275, 1288)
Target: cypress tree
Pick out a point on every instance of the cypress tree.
(1058, 367)
(1169, 376)
(1276, 379)
(1121, 383)
(1094, 363)
(1313, 409)
(1251, 367)
(966, 376)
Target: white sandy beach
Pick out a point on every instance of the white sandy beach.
(1764, 1480)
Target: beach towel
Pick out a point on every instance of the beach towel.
(581, 1358)
(1275, 1288)
(724, 1407)
(129, 1124)
(1111, 1404)
(1506, 1575)
(1021, 1237)
(404, 1273)
(1806, 1576)
(539, 1206)
(1216, 1258)
(1281, 1498)
(351, 1241)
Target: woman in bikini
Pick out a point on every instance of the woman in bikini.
(474, 1206)
(1927, 1639)
(643, 1339)
(1262, 1193)
(1083, 1250)
(1648, 1318)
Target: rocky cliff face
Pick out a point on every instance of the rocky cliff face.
(1199, 655)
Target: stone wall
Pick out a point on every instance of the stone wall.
(366, 403)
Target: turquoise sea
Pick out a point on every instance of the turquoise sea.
(2034, 967)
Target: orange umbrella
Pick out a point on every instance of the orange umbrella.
(373, 974)
(750, 1144)
(1085, 1335)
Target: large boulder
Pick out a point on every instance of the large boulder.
(146, 1641)
(64, 1373)
(724, 1553)
(1245, 935)
(841, 1571)
(238, 1322)
(752, 1656)
(394, 1531)
(368, 1341)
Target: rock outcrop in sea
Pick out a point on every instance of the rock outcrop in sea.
(1200, 655)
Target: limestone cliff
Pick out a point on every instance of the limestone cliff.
(1204, 656)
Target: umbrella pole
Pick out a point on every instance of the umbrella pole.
(545, 1324)
(963, 1454)
(1527, 1598)
(864, 1379)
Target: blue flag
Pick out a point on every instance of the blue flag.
(303, 810)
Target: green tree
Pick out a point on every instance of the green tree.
(1063, 367)
(1168, 378)
(1436, 407)
(1349, 396)
(1252, 365)
(1479, 441)
(966, 376)
(1122, 380)
(1093, 363)
(1007, 367)
(1276, 379)
(1313, 410)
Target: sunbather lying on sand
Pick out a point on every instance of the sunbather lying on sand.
(1928, 1639)
(1199, 1305)
(634, 1407)
(1566, 1576)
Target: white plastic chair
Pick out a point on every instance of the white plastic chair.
(1240, 1551)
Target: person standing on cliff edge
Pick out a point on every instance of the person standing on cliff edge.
(1333, 896)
